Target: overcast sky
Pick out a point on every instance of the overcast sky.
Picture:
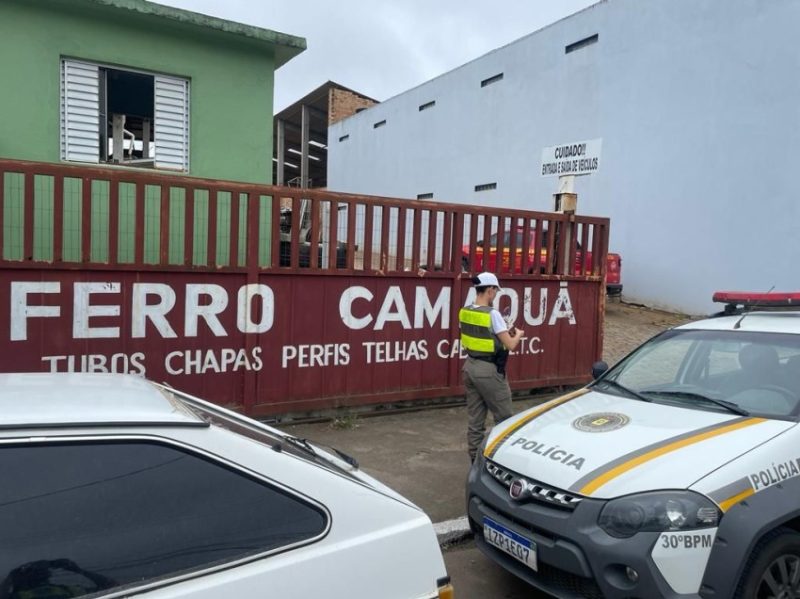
(384, 47)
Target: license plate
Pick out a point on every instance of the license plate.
(507, 540)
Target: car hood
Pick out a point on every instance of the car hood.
(600, 445)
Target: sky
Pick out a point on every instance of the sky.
(381, 48)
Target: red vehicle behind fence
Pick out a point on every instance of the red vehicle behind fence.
(613, 261)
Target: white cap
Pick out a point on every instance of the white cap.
(486, 279)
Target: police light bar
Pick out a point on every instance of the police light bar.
(757, 300)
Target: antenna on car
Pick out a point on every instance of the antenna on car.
(747, 311)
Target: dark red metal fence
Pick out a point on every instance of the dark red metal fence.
(276, 300)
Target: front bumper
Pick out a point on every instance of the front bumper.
(577, 559)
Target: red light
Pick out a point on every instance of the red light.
(752, 300)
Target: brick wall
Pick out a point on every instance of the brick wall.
(342, 104)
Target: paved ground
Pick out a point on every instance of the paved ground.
(423, 454)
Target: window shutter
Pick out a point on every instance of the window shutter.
(80, 112)
(171, 134)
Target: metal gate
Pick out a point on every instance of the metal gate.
(208, 285)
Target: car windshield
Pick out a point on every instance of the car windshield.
(733, 371)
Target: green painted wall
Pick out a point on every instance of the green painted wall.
(230, 91)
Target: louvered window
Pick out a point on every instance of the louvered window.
(172, 123)
(124, 117)
(80, 112)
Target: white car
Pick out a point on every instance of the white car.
(676, 473)
(114, 486)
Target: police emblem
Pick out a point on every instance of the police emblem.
(602, 422)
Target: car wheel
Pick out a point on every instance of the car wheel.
(773, 569)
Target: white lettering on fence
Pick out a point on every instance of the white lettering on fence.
(208, 312)
(157, 313)
(21, 311)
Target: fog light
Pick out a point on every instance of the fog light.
(632, 574)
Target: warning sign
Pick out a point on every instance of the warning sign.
(578, 158)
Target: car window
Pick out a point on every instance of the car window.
(80, 518)
(757, 372)
(658, 364)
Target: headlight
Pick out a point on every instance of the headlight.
(660, 511)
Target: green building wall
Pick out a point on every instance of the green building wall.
(231, 81)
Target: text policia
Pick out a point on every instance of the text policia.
(130, 314)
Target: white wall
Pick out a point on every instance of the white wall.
(698, 106)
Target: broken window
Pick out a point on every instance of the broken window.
(118, 116)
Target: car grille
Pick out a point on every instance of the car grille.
(566, 583)
(537, 491)
(554, 580)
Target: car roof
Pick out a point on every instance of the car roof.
(775, 321)
(48, 400)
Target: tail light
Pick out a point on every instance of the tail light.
(446, 590)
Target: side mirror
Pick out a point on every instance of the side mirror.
(598, 369)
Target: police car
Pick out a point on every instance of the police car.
(676, 473)
(113, 486)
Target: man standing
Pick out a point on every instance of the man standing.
(487, 340)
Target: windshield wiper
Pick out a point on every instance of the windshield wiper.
(623, 388)
(728, 405)
(304, 444)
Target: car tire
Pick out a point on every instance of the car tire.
(773, 563)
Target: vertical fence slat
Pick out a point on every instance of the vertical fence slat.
(386, 214)
(188, 226)
(402, 217)
(603, 251)
(416, 239)
(537, 252)
(487, 244)
(86, 219)
(294, 244)
(253, 212)
(28, 199)
(500, 245)
(211, 247)
(400, 252)
(58, 219)
(432, 226)
(368, 226)
(447, 241)
(113, 220)
(163, 224)
(572, 227)
(595, 249)
(584, 246)
(512, 246)
(458, 240)
(473, 240)
(235, 214)
(139, 226)
(525, 256)
(275, 254)
(351, 235)
(313, 249)
(551, 235)
(333, 236)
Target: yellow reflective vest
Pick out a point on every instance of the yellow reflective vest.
(476, 331)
